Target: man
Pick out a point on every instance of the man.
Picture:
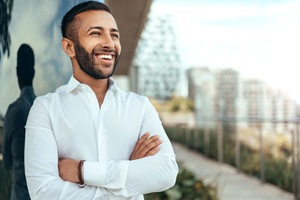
(89, 139)
(14, 123)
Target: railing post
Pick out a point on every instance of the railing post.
(262, 157)
(220, 141)
(186, 136)
(294, 166)
(178, 134)
(174, 132)
(191, 138)
(196, 139)
(297, 163)
(237, 149)
(206, 140)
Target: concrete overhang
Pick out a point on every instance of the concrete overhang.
(131, 16)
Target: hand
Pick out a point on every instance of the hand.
(68, 169)
(146, 146)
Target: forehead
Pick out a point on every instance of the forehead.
(93, 18)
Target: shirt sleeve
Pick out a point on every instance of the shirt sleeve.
(41, 160)
(150, 174)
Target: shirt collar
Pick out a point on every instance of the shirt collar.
(73, 84)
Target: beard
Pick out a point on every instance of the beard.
(87, 63)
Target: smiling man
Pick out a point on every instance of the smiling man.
(89, 139)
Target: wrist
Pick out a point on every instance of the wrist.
(80, 174)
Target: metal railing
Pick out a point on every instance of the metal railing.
(201, 139)
(192, 138)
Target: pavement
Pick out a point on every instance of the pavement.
(231, 184)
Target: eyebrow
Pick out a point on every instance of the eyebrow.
(101, 28)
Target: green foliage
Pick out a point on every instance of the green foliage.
(177, 104)
(278, 169)
(284, 179)
(187, 187)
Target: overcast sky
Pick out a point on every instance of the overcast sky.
(259, 38)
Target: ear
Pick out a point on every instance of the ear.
(68, 47)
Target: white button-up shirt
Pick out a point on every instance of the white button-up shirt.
(70, 124)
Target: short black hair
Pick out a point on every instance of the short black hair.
(25, 65)
(67, 24)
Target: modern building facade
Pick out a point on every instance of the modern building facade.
(156, 70)
(201, 89)
(222, 95)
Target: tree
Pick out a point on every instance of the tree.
(5, 17)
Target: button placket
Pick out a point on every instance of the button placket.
(102, 140)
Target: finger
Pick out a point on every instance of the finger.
(141, 141)
(144, 145)
(153, 151)
(151, 143)
(148, 144)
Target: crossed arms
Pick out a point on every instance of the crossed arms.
(146, 146)
(151, 166)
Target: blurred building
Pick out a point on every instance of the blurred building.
(227, 94)
(254, 96)
(284, 109)
(269, 104)
(157, 72)
(224, 95)
(201, 89)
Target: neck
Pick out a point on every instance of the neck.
(23, 86)
(99, 86)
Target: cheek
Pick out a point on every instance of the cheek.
(118, 47)
(88, 45)
(89, 48)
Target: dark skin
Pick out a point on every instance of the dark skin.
(98, 28)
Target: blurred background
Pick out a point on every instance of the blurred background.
(223, 73)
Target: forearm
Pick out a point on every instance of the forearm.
(57, 189)
(129, 178)
(41, 168)
(42, 172)
(41, 161)
(150, 174)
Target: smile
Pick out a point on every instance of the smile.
(105, 57)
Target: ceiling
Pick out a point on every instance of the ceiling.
(131, 16)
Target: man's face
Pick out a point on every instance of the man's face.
(98, 46)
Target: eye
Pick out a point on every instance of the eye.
(115, 36)
(95, 33)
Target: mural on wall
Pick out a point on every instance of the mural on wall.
(5, 18)
(37, 24)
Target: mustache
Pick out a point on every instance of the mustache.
(99, 50)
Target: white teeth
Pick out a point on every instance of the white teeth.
(106, 57)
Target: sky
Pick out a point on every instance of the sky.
(259, 38)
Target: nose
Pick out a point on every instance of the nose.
(107, 41)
